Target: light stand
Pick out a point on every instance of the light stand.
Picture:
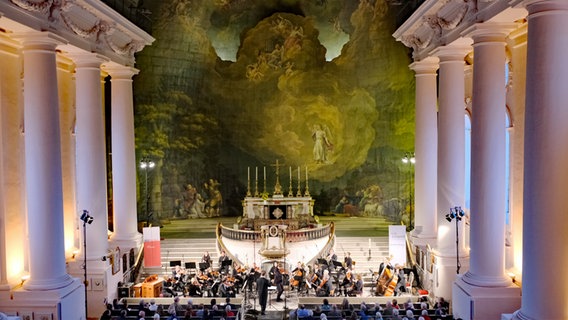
(410, 160)
(146, 164)
(87, 219)
(456, 213)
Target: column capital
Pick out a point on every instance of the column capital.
(121, 72)
(428, 65)
(39, 40)
(88, 59)
(452, 52)
(489, 31)
(542, 6)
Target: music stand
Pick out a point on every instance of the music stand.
(203, 266)
(190, 266)
(175, 263)
(337, 264)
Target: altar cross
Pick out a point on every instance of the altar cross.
(277, 187)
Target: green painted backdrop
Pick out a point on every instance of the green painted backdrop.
(233, 84)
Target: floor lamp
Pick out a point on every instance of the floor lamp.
(456, 213)
(87, 219)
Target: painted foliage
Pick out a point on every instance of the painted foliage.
(233, 84)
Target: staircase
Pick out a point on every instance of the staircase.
(191, 250)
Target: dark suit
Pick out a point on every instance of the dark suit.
(278, 284)
(262, 285)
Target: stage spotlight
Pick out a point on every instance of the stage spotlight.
(85, 217)
(448, 218)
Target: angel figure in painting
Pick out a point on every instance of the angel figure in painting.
(322, 144)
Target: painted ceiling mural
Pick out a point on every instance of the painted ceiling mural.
(230, 85)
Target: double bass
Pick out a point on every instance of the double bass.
(298, 274)
(384, 281)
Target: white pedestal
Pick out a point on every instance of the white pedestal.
(481, 303)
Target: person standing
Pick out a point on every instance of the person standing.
(278, 283)
(262, 284)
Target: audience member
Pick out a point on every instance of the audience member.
(409, 314)
(304, 313)
(141, 315)
(153, 306)
(107, 315)
(363, 312)
(378, 316)
(388, 311)
(395, 304)
(442, 305)
(229, 314)
(425, 315)
(123, 314)
(345, 304)
(395, 314)
(325, 306)
(334, 311)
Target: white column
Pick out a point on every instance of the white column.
(3, 220)
(123, 158)
(451, 161)
(426, 142)
(91, 153)
(488, 175)
(546, 156)
(43, 164)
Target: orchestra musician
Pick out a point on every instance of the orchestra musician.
(206, 258)
(298, 276)
(223, 257)
(278, 282)
(357, 286)
(331, 257)
(252, 276)
(347, 283)
(226, 288)
(178, 278)
(314, 278)
(348, 261)
(324, 289)
(273, 270)
(194, 288)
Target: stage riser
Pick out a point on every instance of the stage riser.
(191, 250)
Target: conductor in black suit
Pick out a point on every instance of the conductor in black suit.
(262, 284)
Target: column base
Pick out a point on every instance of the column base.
(445, 274)
(63, 303)
(102, 283)
(481, 303)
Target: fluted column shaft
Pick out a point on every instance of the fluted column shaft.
(451, 138)
(488, 151)
(91, 152)
(426, 142)
(43, 180)
(123, 156)
(546, 156)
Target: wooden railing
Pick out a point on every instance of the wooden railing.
(291, 236)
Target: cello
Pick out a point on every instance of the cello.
(389, 291)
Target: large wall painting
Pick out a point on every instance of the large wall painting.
(231, 85)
